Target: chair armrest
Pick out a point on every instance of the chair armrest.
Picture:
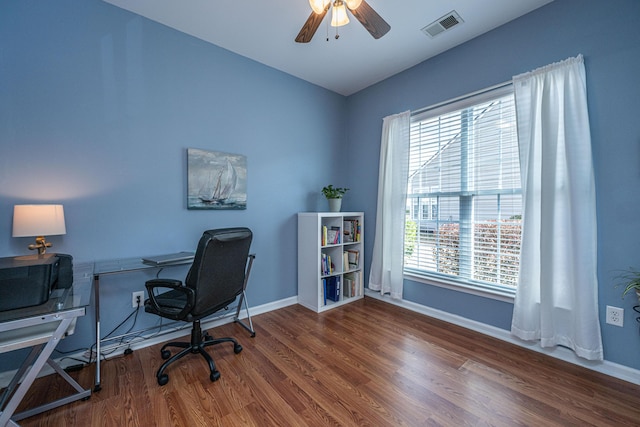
(173, 284)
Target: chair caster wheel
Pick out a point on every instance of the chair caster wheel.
(215, 376)
(237, 348)
(163, 379)
(165, 354)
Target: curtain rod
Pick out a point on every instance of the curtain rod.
(463, 97)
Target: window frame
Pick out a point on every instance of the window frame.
(467, 285)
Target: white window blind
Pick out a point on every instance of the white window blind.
(464, 202)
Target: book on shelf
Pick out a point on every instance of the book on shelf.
(331, 288)
(348, 287)
(353, 259)
(324, 288)
(352, 286)
(351, 230)
(347, 230)
(330, 235)
(333, 236)
(326, 266)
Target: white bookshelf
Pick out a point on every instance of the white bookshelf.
(313, 254)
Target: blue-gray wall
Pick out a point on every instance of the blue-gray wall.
(97, 109)
(98, 106)
(607, 33)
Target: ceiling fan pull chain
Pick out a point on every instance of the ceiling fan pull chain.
(327, 27)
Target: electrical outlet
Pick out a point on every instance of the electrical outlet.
(615, 316)
(137, 299)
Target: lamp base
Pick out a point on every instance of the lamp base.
(41, 245)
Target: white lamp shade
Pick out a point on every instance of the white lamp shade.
(38, 220)
(353, 4)
(318, 5)
(339, 16)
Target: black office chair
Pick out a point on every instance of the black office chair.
(219, 274)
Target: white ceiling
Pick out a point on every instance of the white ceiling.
(264, 30)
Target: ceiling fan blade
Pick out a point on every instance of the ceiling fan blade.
(370, 19)
(309, 28)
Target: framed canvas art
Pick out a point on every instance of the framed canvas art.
(216, 180)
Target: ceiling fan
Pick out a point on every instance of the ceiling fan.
(364, 13)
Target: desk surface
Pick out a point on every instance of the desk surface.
(115, 266)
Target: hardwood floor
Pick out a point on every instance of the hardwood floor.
(364, 364)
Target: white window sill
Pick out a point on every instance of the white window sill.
(505, 295)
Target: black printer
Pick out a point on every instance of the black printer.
(26, 281)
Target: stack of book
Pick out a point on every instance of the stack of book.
(350, 259)
(351, 230)
(330, 235)
(326, 266)
(352, 284)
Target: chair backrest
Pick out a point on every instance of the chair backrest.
(218, 271)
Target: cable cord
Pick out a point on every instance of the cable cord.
(134, 337)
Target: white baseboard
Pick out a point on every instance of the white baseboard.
(609, 368)
(64, 362)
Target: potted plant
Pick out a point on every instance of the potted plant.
(334, 196)
(630, 279)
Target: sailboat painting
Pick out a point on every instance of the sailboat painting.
(216, 180)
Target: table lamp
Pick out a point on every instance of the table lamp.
(38, 220)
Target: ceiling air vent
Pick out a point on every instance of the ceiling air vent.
(448, 21)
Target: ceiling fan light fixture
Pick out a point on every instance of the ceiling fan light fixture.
(353, 4)
(318, 5)
(360, 9)
(339, 14)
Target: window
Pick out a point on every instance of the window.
(464, 203)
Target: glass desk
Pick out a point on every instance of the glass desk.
(41, 328)
(118, 266)
(127, 265)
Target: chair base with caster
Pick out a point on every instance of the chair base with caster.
(199, 341)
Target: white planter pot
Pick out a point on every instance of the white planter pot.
(335, 205)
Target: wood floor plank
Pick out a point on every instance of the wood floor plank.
(364, 364)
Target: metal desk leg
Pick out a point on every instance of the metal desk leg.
(237, 316)
(33, 354)
(243, 298)
(21, 391)
(79, 394)
(96, 291)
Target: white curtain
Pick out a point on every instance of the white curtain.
(557, 297)
(387, 262)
